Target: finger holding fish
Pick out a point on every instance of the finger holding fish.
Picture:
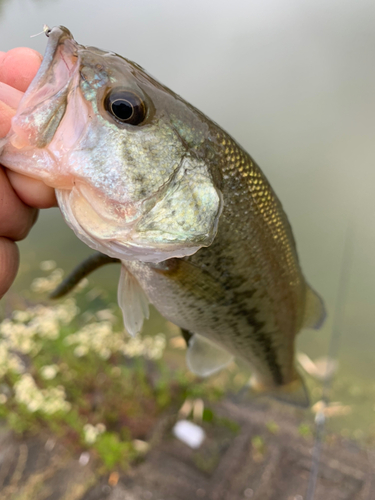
(19, 66)
(6, 114)
(10, 95)
(17, 69)
(9, 260)
(19, 196)
(16, 219)
(32, 192)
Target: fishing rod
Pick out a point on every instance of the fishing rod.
(334, 345)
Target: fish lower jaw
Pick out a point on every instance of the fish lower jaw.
(115, 238)
(36, 164)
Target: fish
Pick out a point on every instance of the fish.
(146, 179)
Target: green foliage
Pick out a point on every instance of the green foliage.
(272, 427)
(86, 382)
(19, 422)
(197, 390)
(208, 415)
(305, 431)
(114, 452)
(258, 444)
(207, 460)
(229, 424)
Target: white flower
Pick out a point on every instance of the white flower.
(47, 265)
(48, 372)
(149, 347)
(106, 314)
(24, 332)
(9, 362)
(101, 428)
(101, 339)
(47, 401)
(80, 351)
(21, 316)
(34, 405)
(41, 285)
(91, 432)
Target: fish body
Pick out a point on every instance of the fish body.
(146, 178)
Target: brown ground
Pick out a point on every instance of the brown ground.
(250, 462)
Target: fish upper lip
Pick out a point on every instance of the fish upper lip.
(61, 49)
(59, 36)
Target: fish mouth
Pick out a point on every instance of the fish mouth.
(61, 44)
(44, 103)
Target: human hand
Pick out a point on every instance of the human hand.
(20, 196)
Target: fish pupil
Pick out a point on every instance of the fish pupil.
(122, 109)
(125, 106)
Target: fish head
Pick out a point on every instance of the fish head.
(131, 162)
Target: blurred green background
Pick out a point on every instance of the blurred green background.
(293, 82)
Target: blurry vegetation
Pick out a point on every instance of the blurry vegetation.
(272, 427)
(305, 431)
(258, 448)
(67, 368)
(82, 378)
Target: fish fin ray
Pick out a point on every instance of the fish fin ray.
(204, 357)
(315, 312)
(133, 302)
(294, 393)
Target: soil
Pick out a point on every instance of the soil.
(245, 455)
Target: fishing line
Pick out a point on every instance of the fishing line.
(334, 345)
(46, 30)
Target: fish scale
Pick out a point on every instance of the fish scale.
(247, 321)
(147, 179)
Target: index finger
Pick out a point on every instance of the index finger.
(19, 66)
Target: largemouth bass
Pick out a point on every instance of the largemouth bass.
(144, 177)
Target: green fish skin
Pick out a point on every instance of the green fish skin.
(146, 178)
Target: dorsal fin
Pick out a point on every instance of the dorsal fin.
(315, 312)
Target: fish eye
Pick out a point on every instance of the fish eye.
(125, 106)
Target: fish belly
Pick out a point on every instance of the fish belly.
(195, 301)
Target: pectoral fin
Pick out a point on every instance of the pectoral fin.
(205, 358)
(315, 312)
(133, 302)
